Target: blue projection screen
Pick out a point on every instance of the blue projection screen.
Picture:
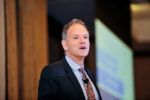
(114, 65)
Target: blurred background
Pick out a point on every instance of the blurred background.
(30, 38)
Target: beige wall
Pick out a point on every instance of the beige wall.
(2, 52)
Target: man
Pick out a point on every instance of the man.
(68, 79)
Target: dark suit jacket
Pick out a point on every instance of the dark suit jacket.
(58, 82)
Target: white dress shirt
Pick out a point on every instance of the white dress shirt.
(74, 66)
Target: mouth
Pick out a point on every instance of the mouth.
(83, 47)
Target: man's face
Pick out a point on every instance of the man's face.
(77, 41)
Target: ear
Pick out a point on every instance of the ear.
(64, 44)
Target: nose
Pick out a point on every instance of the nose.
(82, 40)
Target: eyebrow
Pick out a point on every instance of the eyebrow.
(75, 35)
(78, 35)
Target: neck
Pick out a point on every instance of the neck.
(78, 60)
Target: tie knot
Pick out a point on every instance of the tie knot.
(81, 70)
(83, 73)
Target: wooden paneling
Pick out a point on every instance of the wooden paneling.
(142, 79)
(27, 47)
(32, 32)
(2, 52)
(12, 50)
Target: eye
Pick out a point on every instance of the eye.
(86, 37)
(75, 37)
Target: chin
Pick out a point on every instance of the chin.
(83, 55)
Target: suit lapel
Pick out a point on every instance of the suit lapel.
(73, 79)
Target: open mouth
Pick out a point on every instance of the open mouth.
(82, 47)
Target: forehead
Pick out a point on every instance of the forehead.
(77, 29)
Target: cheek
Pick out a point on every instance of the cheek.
(88, 43)
(72, 46)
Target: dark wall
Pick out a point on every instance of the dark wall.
(65, 10)
(116, 15)
(54, 37)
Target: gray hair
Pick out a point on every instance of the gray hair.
(66, 27)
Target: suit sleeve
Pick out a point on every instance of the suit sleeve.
(48, 88)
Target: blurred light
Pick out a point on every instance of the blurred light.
(140, 7)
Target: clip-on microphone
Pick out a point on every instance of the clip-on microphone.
(86, 81)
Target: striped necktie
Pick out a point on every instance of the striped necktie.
(87, 86)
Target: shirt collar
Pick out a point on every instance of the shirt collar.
(74, 66)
